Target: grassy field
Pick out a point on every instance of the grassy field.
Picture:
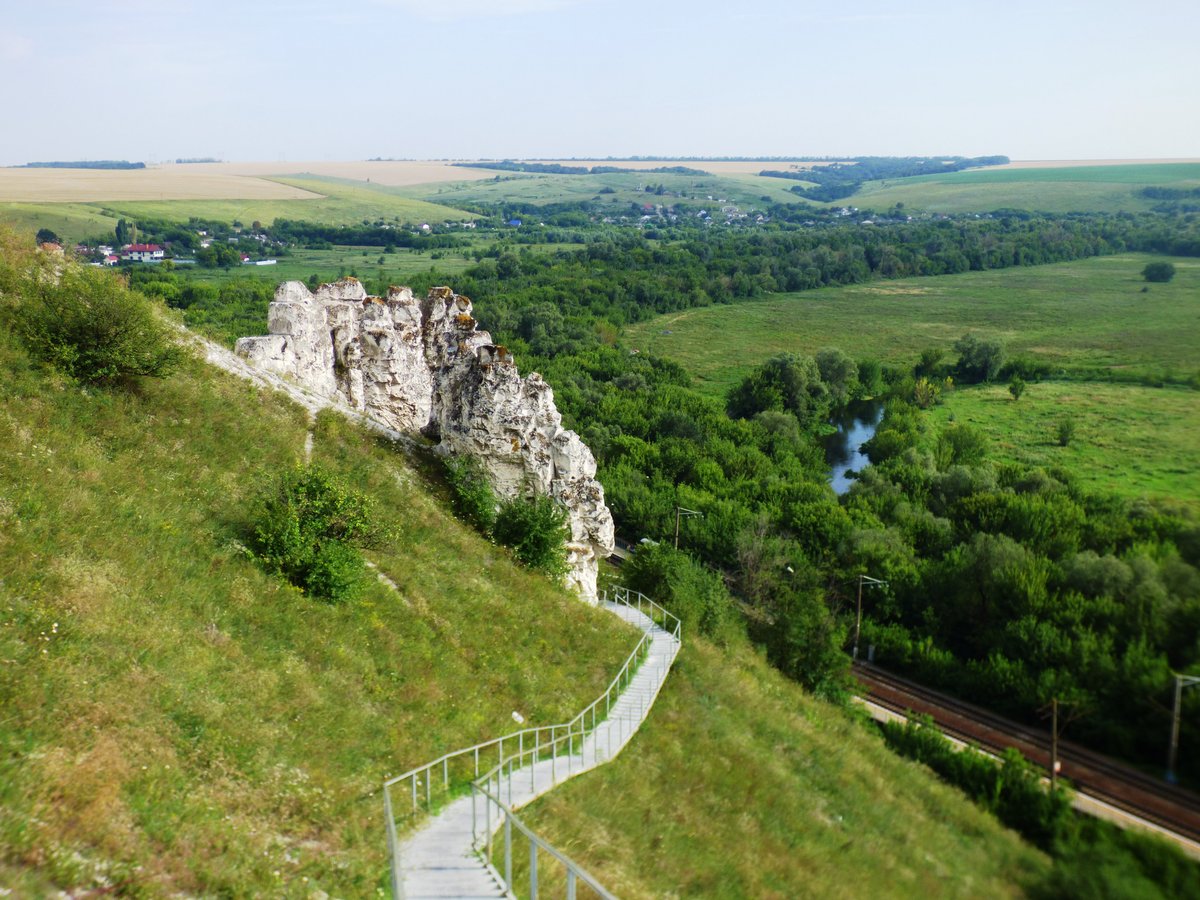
(1085, 315)
(329, 265)
(744, 190)
(1129, 440)
(1057, 190)
(740, 785)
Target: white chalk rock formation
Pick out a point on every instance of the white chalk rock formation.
(424, 366)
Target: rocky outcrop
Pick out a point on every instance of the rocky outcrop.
(425, 366)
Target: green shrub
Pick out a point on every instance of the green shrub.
(695, 594)
(309, 529)
(536, 531)
(1012, 790)
(1159, 271)
(1066, 431)
(88, 324)
(471, 493)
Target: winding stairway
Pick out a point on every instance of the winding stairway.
(447, 855)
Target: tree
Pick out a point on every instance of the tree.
(1016, 387)
(788, 382)
(979, 359)
(1159, 271)
(122, 232)
(839, 372)
(46, 236)
(960, 445)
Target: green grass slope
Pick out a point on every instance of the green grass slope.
(741, 785)
(175, 721)
(1055, 190)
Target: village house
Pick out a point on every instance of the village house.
(142, 253)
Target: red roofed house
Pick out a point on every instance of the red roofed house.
(142, 252)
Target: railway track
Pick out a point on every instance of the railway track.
(1092, 774)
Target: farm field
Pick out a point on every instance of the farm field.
(712, 166)
(1129, 440)
(98, 185)
(745, 190)
(335, 202)
(1083, 188)
(330, 200)
(1081, 316)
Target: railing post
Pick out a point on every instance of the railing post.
(508, 850)
(476, 762)
(474, 815)
(446, 773)
(393, 849)
(428, 779)
(570, 883)
(532, 869)
(488, 837)
(414, 791)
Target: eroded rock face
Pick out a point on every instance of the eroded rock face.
(425, 366)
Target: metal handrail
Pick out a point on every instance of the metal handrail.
(424, 774)
(491, 787)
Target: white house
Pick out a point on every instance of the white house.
(142, 253)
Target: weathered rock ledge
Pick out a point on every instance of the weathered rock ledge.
(422, 365)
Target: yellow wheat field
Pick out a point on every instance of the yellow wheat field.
(211, 181)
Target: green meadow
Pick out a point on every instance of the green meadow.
(1129, 440)
(1086, 318)
(328, 265)
(693, 191)
(1054, 190)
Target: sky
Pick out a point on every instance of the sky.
(432, 79)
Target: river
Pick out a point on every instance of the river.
(843, 449)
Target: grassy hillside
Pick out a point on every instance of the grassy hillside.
(70, 221)
(1057, 190)
(626, 188)
(176, 720)
(741, 785)
(337, 202)
(1084, 315)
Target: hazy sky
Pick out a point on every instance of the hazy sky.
(496, 78)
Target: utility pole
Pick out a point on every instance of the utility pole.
(1054, 744)
(871, 582)
(1181, 681)
(679, 513)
